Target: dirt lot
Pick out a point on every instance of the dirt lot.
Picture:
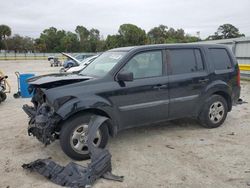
(177, 154)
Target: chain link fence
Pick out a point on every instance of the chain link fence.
(31, 56)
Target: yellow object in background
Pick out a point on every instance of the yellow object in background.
(244, 67)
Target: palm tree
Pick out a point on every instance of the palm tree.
(5, 31)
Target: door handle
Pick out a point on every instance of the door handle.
(160, 86)
(205, 80)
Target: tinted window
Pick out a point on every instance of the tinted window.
(221, 59)
(146, 64)
(185, 60)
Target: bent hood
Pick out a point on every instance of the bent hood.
(56, 80)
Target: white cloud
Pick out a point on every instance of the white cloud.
(31, 17)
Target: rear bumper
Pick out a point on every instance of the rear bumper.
(236, 95)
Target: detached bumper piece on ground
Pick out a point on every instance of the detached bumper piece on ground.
(74, 175)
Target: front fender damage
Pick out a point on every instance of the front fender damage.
(42, 122)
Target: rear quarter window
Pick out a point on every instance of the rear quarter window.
(220, 58)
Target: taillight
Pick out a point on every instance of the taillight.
(238, 77)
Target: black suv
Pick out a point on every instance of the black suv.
(134, 86)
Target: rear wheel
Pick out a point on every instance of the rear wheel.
(214, 112)
(74, 134)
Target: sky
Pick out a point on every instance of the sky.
(31, 17)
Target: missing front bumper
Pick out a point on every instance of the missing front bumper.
(42, 123)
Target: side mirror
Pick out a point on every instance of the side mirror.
(125, 76)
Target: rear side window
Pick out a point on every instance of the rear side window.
(220, 58)
(185, 61)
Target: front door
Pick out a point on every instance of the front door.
(145, 99)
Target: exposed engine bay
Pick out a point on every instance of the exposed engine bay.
(42, 118)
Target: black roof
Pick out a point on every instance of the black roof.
(155, 46)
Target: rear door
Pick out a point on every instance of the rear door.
(187, 79)
(226, 69)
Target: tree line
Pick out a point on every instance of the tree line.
(90, 40)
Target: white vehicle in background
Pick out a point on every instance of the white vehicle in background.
(82, 65)
(73, 61)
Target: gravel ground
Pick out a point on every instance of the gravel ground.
(176, 154)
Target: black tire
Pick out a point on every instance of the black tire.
(69, 126)
(3, 96)
(17, 95)
(206, 116)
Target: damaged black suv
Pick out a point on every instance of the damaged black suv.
(134, 86)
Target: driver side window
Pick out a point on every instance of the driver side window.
(145, 65)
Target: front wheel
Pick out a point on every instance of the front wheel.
(214, 112)
(73, 137)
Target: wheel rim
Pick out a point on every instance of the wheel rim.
(79, 139)
(216, 112)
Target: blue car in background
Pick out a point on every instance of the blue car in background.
(74, 61)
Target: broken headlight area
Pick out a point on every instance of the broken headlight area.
(38, 96)
(42, 123)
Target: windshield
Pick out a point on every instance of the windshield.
(103, 64)
(79, 57)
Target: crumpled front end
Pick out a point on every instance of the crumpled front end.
(43, 120)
